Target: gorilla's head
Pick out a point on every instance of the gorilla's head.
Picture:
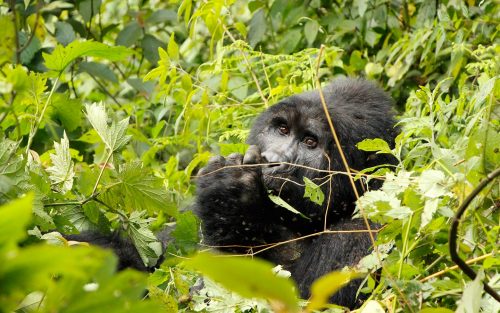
(296, 131)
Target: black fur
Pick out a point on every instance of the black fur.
(233, 204)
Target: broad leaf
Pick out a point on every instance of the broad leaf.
(376, 144)
(313, 192)
(248, 277)
(113, 136)
(14, 217)
(324, 287)
(142, 191)
(62, 56)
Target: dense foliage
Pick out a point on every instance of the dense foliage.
(108, 108)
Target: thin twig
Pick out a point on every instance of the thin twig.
(454, 267)
(454, 231)
(249, 67)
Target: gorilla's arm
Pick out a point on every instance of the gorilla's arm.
(123, 248)
(232, 201)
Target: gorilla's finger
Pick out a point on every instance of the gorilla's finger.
(234, 159)
(213, 164)
(252, 156)
(216, 161)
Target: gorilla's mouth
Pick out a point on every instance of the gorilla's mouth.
(278, 178)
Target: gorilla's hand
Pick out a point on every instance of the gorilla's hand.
(231, 198)
(228, 177)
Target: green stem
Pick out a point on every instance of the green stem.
(102, 171)
(405, 246)
(34, 128)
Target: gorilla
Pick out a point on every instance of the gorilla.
(290, 141)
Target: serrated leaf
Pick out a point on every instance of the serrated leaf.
(251, 278)
(62, 172)
(113, 136)
(375, 144)
(313, 192)
(140, 191)
(282, 203)
(432, 183)
(62, 56)
(146, 243)
(186, 231)
(326, 286)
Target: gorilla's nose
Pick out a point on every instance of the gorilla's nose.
(272, 157)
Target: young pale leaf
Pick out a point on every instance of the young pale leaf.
(471, 298)
(251, 278)
(326, 286)
(62, 56)
(376, 144)
(373, 306)
(113, 136)
(432, 184)
(62, 170)
(282, 203)
(313, 192)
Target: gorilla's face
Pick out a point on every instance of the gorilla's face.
(293, 131)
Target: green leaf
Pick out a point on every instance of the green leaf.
(98, 70)
(129, 35)
(282, 203)
(432, 184)
(186, 231)
(313, 192)
(311, 31)
(247, 277)
(88, 8)
(64, 33)
(173, 48)
(377, 144)
(145, 241)
(150, 45)
(7, 38)
(162, 16)
(326, 286)
(257, 28)
(142, 191)
(113, 136)
(62, 56)
(471, 298)
(62, 170)
(14, 217)
(68, 111)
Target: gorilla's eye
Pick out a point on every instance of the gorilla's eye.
(283, 129)
(310, 142)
